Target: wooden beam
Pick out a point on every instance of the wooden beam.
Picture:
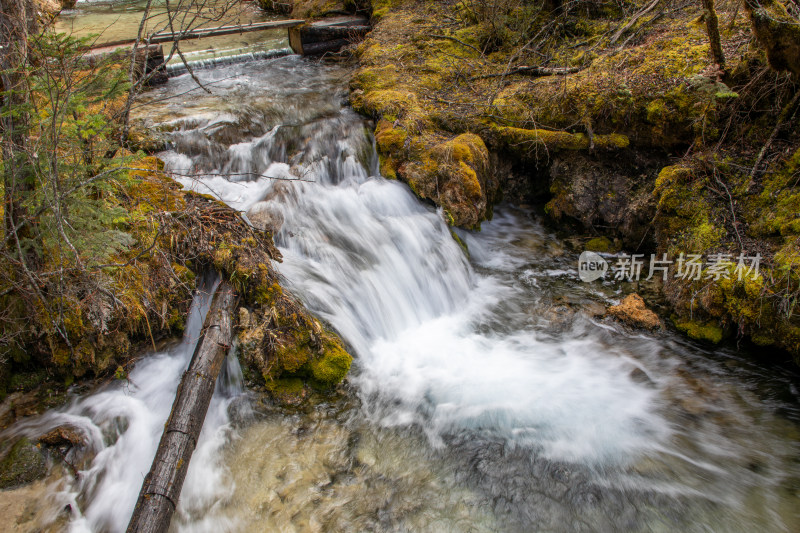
(162, 485)
(197, 33)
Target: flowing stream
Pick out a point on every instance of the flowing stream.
(484, 395)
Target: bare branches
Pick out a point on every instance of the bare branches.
(462, 43)
(633, 20)
(790, 109)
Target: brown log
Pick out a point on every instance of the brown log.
(162, 485)
(536, 72)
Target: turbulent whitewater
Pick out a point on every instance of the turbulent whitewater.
(484, 396)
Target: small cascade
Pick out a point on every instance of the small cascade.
(231, 58)
(484, 395)
(122, 425)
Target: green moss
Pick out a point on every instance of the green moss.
(388, 138)
(526, 140)
(381, 8)
(388, 167)
(600, 244)
(268, 292)
(779, 203)
(670, 176)
(177, 320)
(294, 353)
(705, 332)
(460, 242)
(332, 365)
(23, 464)
(27, 380)
(375, 78)
(285, 386)
(387, 102)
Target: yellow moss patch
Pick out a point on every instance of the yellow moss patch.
(705, 332)
(389, 138)
(529, 139)
(332, 365)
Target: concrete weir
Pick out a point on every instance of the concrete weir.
(327, 35)
(305, 38)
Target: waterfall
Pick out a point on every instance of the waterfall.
(383, 268)
(481, 397)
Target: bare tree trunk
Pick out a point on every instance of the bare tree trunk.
(712, 27)
(162, 485)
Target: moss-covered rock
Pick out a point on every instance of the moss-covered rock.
(333, 363)
(705, 332)
(778, 32)
(284, 344)
(456, 175)
(600, 244)
(23, 463)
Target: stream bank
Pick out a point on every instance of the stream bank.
(614, 118)
(487, 393)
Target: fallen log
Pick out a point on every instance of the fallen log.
(162, 485)
(534, 71)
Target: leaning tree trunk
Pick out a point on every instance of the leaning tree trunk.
(162, 485)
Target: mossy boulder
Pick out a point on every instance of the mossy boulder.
(23, 463)
(332, 365)
(778, 32)
(456, 175)
(284, 344)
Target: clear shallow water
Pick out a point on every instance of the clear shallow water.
(484, 396)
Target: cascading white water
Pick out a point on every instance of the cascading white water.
(456, 348)
(486, 400)
(123, 425)
(368, 257)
